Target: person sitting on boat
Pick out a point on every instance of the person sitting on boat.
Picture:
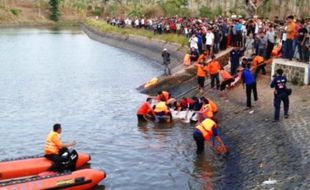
(55, 150)
(145, 111)
(162, 112)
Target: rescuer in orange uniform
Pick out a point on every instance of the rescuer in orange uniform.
(214, 69)
(201, 73)
(258, 64)
(145, 111)
(204, 131)
(54, 148)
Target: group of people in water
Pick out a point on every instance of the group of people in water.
(204, 110)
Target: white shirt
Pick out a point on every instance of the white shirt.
(209, 38)
(284, 34)
(270, 36)
(193, 42)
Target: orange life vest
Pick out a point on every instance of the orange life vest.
(52, 144)
(225, 75)
(207, 111)
(187, 59)
(166, 95)
(201, 70)
(213, 106)
(205, 128)
(214, 67)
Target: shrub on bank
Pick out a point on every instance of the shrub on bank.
(15, 12)
(107, 28)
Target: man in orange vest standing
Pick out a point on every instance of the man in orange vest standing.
(201, 73)
(53, 148)
(204, 131)
(214, 69)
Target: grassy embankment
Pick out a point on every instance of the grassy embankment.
(106, 28)
(27, 13)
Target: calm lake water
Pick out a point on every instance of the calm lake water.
(50, 76)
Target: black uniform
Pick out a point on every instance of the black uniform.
(279, 83)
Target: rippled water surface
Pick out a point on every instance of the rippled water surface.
(62, 76)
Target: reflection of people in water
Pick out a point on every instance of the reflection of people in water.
(203, 170)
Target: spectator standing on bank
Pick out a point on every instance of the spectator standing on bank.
(193, 42)
(307, 45)
(249, 46)
(166, 61)
(283, 41)
(270, 36)
(290, 35)
(280, 94)
(234, 58)
(302, 37)
(261, 44)
(209, 41)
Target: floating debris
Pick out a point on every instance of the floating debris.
(270, 182)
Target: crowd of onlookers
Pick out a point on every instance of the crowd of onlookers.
(288, 38)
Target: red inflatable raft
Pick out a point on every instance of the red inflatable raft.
(77, 180)
(31, 166)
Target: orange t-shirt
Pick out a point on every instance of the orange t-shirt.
(207, 111)
(291, 29)
(257, 61)
(214, 67)
(201, 70)
(164, 95)
(225, 75)
(201, 57)
(213, 106)
(144, 109)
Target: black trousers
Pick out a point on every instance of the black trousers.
(259, 68)
(277, 105)
(200, 141)
(215, 78)
(269, 49)
(56, 159)
(249, 88)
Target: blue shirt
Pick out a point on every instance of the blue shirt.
(247, 77)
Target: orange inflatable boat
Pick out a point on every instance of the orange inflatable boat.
(77, 180)
(31, 166)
